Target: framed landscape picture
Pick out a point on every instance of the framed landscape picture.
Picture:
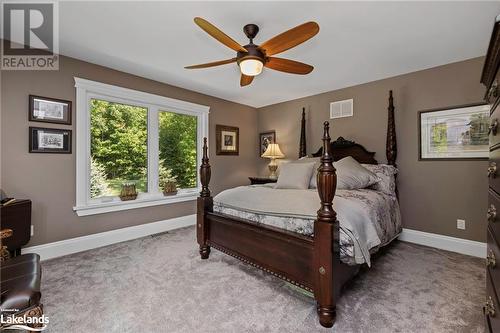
(454, 133)
(49, 140)
(49, 110)
(227, 140)
(265, 139)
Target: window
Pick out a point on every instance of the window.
(118, 148)
(127, 137)
(177, 152)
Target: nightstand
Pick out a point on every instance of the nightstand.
(261, 180)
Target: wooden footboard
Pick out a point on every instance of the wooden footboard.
(312, 263)
(279, 252)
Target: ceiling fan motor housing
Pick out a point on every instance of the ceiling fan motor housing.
(253, 53)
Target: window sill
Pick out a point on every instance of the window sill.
(117, 205)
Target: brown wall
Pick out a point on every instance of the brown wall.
(49, 179)
(432, 194)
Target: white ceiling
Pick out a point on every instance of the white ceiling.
(358, 41)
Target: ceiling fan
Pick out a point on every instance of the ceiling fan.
(251, 58)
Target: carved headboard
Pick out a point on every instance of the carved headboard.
(341, 147)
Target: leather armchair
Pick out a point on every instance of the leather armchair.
(20, 279)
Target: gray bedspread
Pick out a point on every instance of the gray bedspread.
(368, 219)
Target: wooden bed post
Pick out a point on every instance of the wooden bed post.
(302, 145)
(326, 238)
(391, 147)
(205, 204)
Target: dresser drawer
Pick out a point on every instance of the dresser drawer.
(493, 258)
(493, 171)
(492, 95)
(493, 214)
(489, 77)
(495, 129)
(491, 309)
(493, 92)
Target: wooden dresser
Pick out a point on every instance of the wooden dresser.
(491, 79)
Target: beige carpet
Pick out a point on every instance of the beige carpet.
(159, 284)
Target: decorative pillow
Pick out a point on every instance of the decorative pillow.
(316, 161)
(295, 176)
(352, 176)
(387, 175)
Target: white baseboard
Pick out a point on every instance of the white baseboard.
(73, 245)
(459, 245)
(84, 243)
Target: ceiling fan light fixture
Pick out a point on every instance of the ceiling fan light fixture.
(252, 58)
(251, 66)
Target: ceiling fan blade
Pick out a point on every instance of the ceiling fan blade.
(216, 33)
(245, 80)
(290, 38)
(212, 64)
(288, 66)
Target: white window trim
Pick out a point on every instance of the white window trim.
(87, 90)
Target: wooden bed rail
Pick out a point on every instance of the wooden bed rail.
(326, 237)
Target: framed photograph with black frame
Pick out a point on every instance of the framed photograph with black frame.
(227, 140)
(49, 110)
(49, 140)
(265, 139)
(454, 133)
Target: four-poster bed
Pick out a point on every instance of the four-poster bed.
(310, 262)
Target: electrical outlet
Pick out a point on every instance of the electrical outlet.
(32, 230)
(461, 224)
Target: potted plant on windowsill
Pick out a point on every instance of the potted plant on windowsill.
(168, 182)
(128, 192)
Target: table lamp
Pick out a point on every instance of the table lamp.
(273, 152)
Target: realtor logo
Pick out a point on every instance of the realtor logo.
(30, 36)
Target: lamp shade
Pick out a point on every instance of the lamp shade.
(251, 67)
(273, 151)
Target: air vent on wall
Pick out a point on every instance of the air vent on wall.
(341, 109)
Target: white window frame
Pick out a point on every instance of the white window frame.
(86, 90)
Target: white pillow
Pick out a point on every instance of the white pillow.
(316, 161)
(295, 176)
(351, 175)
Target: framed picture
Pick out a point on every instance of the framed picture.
(454, 133)
(49, 140)
(265, 139)
(228, 140)
(49, 110)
